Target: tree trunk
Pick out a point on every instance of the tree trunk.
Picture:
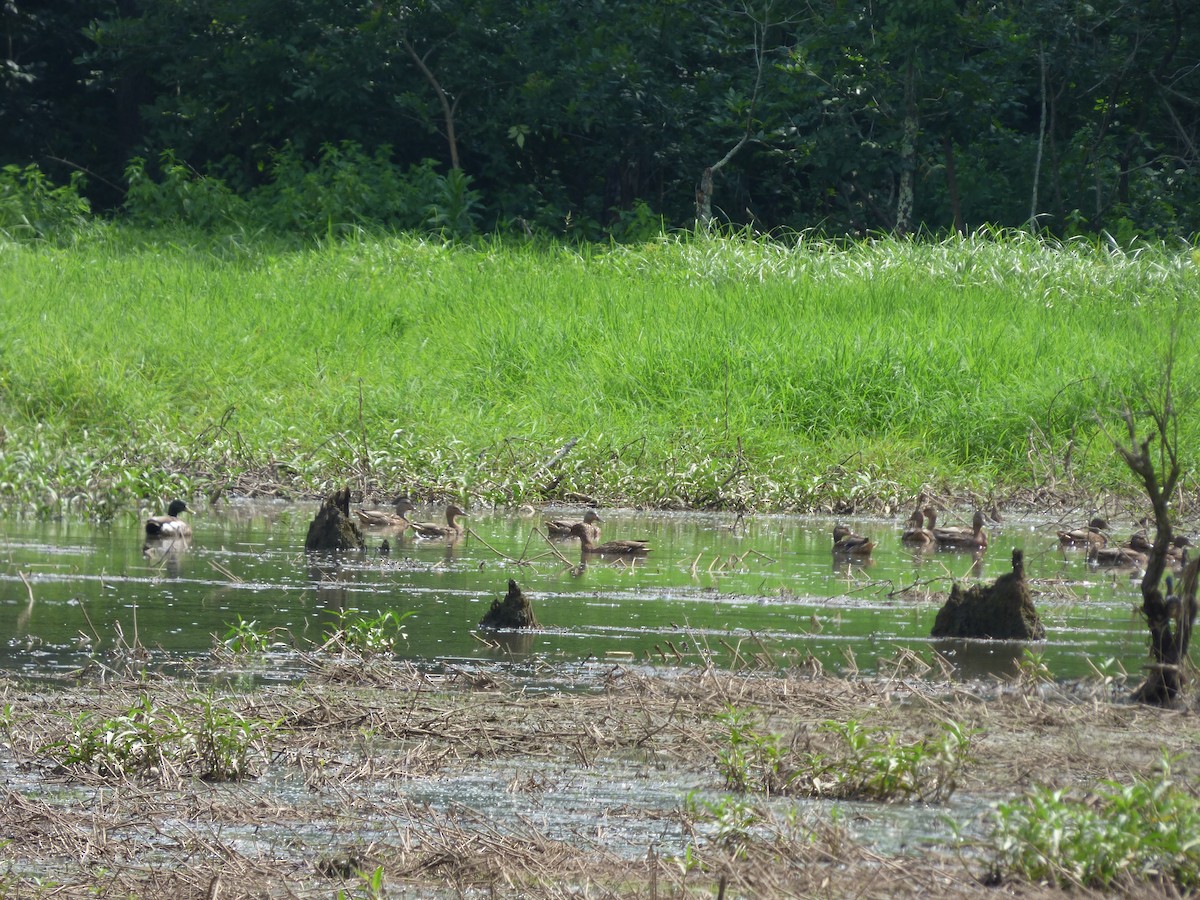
(1037, 163)
(952, 186)
(448, 108)
(908, 155)
(1168, 617)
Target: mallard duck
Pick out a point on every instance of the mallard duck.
(562, 527)
(381, 518)
(973, 538)
(1178, 548)
(170, 525)
(1122, 556)
(847, 543)
(916, 534)
(1091, 536)
(610, 548)
(451, 529)
(1141, 542)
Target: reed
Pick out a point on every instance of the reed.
(696, 371)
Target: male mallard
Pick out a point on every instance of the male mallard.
(973, 538)
(381, 518)
(562, 527)
(451, 529)
(611, 548)
(1091, 536)
(916, 534)
(847, 543)
(170, 525)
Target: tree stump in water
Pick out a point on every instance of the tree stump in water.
(1003, 610)
(514, 611)
(1170, 620)
(332, 529)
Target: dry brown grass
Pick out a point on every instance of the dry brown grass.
(354, 748)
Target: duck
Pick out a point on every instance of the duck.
(1178, 548)
(451, 529)
(916, 534)
(973, 538)
(562, 527)
(381, 518)
(1140, 542)
(170, 525)
(610, 548)
(1121, 556)
(1091, 536)
(847, 543)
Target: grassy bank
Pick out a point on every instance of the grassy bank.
(691, 372)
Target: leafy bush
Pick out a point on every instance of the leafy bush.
(181, 196)
(361, 636)
(348, 188)
(147, 742)
(1145, 831)
(868, 765)
(32, 206)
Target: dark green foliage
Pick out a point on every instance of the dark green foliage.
(345, 190)
(31, 206)
(597, 119)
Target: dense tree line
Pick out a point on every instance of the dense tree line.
(595, 117)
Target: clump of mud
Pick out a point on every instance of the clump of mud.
(332, 529)
(514, 611)
(1002, 610)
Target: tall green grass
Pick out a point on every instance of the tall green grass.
(693, 370)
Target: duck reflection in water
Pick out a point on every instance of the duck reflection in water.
(167, 554)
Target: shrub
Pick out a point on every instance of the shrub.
(32, 206)
(1146, 831)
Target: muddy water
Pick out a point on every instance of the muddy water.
(770, 584)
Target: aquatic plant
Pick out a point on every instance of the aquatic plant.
(1032, 668)
(246, 637)
(866, 763)
(359, 635)
(1144, 831)
(163, 744)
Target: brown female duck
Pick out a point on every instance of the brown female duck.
(847, 543)
(451, 529)
(916, 534)
(170, 525)
(381, 518)
(1091, 536)
(562, 527)
(610, 548)
(1121, 556)
(973, 538)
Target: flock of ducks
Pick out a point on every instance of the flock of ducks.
(1133, 553)
(921, 532)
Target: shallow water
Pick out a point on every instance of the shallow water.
(768, 587)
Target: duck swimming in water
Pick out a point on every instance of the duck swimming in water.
(610, 548)
(847, 543)
(973, 538)
(170, 525)
(451, 529)
(381, 518)
(562, 527)
(1091, 536)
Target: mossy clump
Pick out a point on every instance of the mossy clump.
(1002, 610)
(514, 611)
